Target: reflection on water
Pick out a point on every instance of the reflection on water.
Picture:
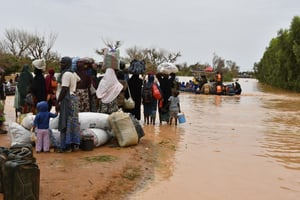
(235, 147)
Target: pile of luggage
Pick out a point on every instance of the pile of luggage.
(19, 173)
(96, 129)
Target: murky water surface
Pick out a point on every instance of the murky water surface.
(233, 148)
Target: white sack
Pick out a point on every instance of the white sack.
(93, 120)
(18, 134)
(53, 123)
(27, 121)
(100, 136)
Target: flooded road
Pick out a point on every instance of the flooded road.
(233, 148)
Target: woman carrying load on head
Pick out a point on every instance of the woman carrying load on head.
(166, 88)
(38, 87)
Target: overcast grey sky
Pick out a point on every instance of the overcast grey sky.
(237, 30)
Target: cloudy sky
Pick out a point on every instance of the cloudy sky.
(237, 30)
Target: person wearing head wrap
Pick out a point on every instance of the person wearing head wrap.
(107, 92)
(51, 87)
(23, 87)
(166, 89)
(38, 87)
(67, 106)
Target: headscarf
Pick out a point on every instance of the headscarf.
(109, 86)
(67, 61)
(39, 64)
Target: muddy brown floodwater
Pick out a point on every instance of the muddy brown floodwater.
(234, 147)
(230, 148)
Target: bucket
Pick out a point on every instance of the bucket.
(181, 118)
(87, 143)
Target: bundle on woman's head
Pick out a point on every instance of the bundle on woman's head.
(66, 61)
(39, 64)
(111, 59)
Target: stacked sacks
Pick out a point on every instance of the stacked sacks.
(89, 121)
(102, 127)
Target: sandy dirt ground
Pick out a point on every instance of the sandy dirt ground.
(105, 172)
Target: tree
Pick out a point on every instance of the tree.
(21, 43)
(40, 47)
(153, 57)
(218, 63)
(280, 66)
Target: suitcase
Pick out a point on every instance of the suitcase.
(22, 180)
(123, 128)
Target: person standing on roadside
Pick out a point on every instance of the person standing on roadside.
(2, 102)
(67, 106)
(174, 107)
(135, 84)
(38, 87)
(82, 88)
(23, 86)
(41, 125)
(51, 87)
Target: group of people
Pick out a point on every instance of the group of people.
(79, 89)
(215, 85)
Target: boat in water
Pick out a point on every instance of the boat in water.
(206, 82)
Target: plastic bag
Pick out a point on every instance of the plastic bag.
(156, 92)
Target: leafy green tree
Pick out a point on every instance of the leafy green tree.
(280, 66)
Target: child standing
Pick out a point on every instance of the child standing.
(41, 125)
(174, 107)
